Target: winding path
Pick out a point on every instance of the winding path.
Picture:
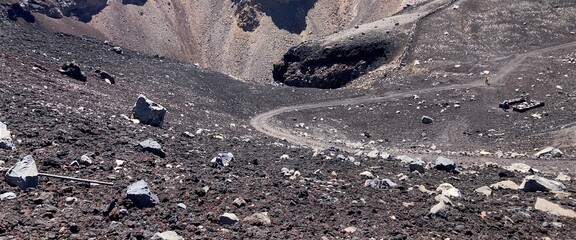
(262, 124)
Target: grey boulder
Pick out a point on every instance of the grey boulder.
(152, 146)
(23, 174)
(148, 112)
(535, 183)
(140, 195)
(228, 219)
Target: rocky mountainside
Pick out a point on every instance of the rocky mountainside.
(99, 141)
(241, 38)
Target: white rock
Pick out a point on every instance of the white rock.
(7, 196)
(223, 159)
(5, 139)
(484, 190)
(563, 177)
(367, 174)
(168, 235)
(439, 209)
(519, 167)
(373, 154)
(260, 218)
(448, 190)
(284, 157)
(85, 160)
(552, 208)
(239, 202)
(505, 185)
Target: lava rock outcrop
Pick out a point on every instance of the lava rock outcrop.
(332, 64)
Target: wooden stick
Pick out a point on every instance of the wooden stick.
(75, 179)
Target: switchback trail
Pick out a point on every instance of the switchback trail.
(262, 124)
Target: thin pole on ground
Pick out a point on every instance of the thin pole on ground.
(75, 179)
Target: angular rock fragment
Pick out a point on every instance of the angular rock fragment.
(148, 112)
(152, 146)
(549, 152)
(535, 183)
(446, 164)
(552, 208)
(23, 174)
(168, 235)
(418, 166)
(228, 219)
(140, 195)
(484, 190)
(239, 202)
(448, 190)
(505, 185)
(5, 139)
(73, 70)
(258, 219)
(373, 154)
(7, 196)
(520, 167)
(427, 120)
(85, 160)
(223, 159)
(380, 183)
(440, 209)
(105, 76)
(367, 174)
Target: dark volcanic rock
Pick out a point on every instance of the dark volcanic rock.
(140, 195)
(82, 9)
(73, 70)
(152, 146)
(333, 64)
(134, 2)
(148, 112)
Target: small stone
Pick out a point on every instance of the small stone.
(5, 139)
(23, 174)
(168, 235)
(148, 112)
(405, 159)
(350, 230)
(442, 198)
(117, 50)
(552, 208)
(223, 159)
(380, 183)
(440, 209)
(239, 202)
(258, 219)
(284, 157)
(7, 196)
(549, 152)
(563, 177)
(367, 174)
(85, 160)
(535, 183)
(505, 185)
(70, 200)
(484, 190)
(418, 166)
(153, 147)
(181, 205)
(519, 167)
(427, 120)
(140, 195)
(448, 190)
(445, 164)
(373, 154)
(228, 219)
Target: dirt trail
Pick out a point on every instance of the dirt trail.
(261, 122)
